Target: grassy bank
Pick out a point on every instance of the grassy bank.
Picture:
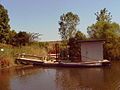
(8, 53)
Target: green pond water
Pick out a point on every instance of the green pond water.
(34, 78)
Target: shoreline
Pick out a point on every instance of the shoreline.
(16, 66)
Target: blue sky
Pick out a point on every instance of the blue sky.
(42, 16)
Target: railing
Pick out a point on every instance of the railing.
(23, 55)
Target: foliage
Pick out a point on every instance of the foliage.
(33, 50)
(8, 36)
(104, 28)
(74, 46)
(68, 23)
(103, 15)
(43, 44)
(79, 35)
(64, 54)
(34, 36)
(74, 49)
(7, 57)
(4, 25)
(21, 39)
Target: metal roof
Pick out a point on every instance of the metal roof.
(93, 40)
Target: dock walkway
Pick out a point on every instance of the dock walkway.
(42, 63)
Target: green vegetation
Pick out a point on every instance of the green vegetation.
(12, 43)
(79, 35)
(68, 23)
(68, 29)
(20, 39)
(104, 28)
(69, 34)
(4, 26)
(74, 46)
(7, 57)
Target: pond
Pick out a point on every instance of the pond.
(38, 78)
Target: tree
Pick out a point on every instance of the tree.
(103, 15)
(21, 39)
(74, 46)
(105, 29)
(4, 25)
(68, 23)
(79, 35)
(12, 35)
(34, 36)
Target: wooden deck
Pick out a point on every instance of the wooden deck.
(28, 61)
(37, 62)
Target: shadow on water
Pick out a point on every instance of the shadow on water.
(33, 78)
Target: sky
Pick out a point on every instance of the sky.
(42, 16)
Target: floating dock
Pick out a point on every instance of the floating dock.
(42, 63)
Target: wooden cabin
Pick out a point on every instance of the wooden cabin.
(86, 50)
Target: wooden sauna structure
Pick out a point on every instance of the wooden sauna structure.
(86, 50)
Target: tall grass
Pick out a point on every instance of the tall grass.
(7, 57)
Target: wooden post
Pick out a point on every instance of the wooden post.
(57, 51)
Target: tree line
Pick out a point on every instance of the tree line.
(8, 36)
(103, 28)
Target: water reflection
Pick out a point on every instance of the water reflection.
(112, 76)
(26, 71)
(76, 78)
(34, 79)
(107, 78)
(5, 79)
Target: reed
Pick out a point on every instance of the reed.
(8, 53)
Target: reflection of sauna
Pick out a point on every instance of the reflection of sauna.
(92, 77)
(73, 79)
